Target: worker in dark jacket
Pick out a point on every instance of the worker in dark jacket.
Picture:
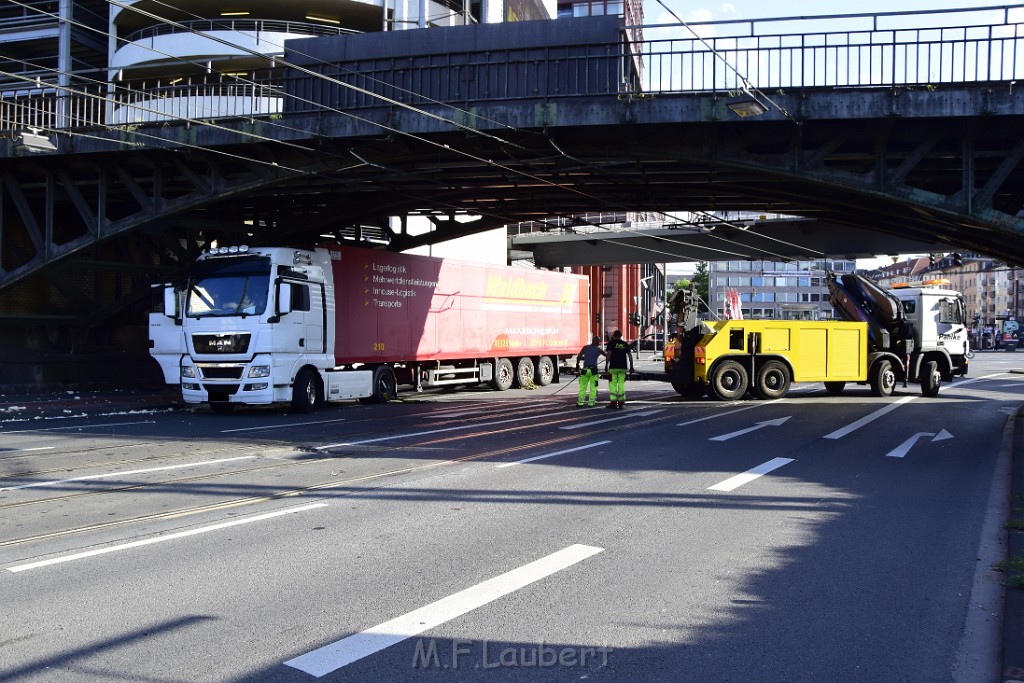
(618, 360)
(589, 356)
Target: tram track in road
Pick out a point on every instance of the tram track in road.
(302, 490)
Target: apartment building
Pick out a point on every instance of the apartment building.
(790, 290)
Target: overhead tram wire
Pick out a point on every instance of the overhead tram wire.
(339, 111)
(314, 74)
(210, 150)
(390, 129)
(746, 83)
(369, 78)
(301, 69)
(446, 147)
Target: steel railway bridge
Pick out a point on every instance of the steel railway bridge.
(890, 132)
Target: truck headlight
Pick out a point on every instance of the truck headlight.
(259, 371)
(188, 371)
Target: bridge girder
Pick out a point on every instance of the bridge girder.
(913, 166)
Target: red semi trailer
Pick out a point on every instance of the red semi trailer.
(272, 324)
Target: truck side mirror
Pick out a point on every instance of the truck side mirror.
(284, 298)
(171, 302)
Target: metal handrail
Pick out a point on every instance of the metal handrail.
(893, 49)
(256, 26)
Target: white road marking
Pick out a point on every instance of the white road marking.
(328, 658)
(728, 412)
(108, 475)
(161, 539)
(750, 475)
(409, 435)
(280, 426)
(40, 448)
(626, 416)
(551, 455)
(767, 423)
(81, 426)
(867, 419)
(905, 447)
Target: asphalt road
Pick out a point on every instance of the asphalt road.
(474, 535)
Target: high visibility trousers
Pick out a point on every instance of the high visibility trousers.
(617, 385)
(588, 387)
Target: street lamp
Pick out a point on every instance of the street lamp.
(748, 106)
(34, 142)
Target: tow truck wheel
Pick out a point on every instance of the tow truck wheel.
(305, 392)
(524, 372)
(772, 380)
(930, 379)
(882, 379)
(545, 371)
(729, 381)
(693, 390)
(503, 375)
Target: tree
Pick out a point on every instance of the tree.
(681, 283)
(700, 280)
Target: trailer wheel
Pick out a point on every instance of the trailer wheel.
(835, 388)
(305, 392)
(503, 375)
(729, 381)
(882, 379)
(524, 372)
(385, 386)
(931, 379)
(545, 371)
(772, 380)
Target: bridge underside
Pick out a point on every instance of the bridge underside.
(84, 234)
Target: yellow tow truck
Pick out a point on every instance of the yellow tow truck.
(906, 334)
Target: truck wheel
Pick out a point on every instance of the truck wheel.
(729, 381)
(689, 390)
(305, 392)
(882, 379)
(503, 375)
(772, 380)
(930, 378)
(835, 388)
(545, 371)
(385, 386)
(524, 373)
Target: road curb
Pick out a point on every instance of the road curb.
(1013, 615)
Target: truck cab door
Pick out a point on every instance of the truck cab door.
(951, 327)
(315, 321)
(167, 338)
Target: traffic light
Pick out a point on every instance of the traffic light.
(597, 317)
(958, 258)
(634, 318)
(931, 260)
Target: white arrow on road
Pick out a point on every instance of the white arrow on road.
(759, 425)
(905, 447)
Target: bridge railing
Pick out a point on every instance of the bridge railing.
(850, 50)
(841, 51)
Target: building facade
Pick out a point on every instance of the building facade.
(788, 290)
(146, 60)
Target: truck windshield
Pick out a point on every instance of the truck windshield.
(226, 287)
